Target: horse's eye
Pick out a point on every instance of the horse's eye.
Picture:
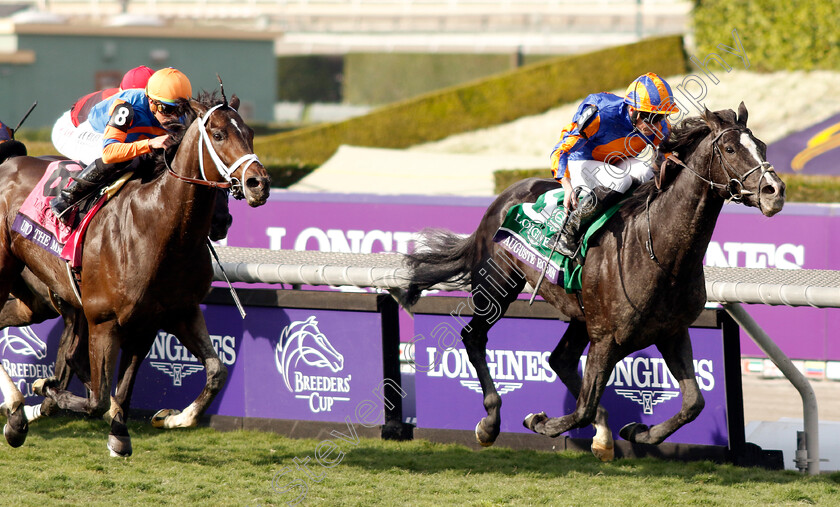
(218, 136)
(730, 149)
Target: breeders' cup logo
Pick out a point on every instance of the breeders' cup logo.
(303, 344)
(168, 356)
(22, 341)
(25, 344)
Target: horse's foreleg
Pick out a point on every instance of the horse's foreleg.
(679, 358)
(564, 361)
(192, 333)
(16, 426)
(599, 364)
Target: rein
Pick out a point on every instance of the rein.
(734, 181)
(727, 168)
(221, 167)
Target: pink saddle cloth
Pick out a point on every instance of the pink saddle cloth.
(36, 222)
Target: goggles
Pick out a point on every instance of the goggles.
(162, 108)
(648, 117)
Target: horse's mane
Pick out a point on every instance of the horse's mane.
(683, 139)
(156, 165)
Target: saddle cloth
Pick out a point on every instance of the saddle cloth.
(36, 222)
(529, 232)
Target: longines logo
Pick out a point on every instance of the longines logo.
(644, 380)
(647, 399)
(302, 341)
(510, 369)
(168, 356)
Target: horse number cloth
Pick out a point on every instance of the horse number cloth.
(36, 222)
(529, 232)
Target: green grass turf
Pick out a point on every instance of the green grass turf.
(64, 462)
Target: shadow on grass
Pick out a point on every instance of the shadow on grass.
(208, 447)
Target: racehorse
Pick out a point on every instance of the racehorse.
(642, 280)
(145, 265)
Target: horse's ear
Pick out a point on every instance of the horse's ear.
(198, 107)
(234, 102)
(711, 119)
(742, 114)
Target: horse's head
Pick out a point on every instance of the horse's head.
(302, 340)
(226, 145)
(739, 164)
(25, 343)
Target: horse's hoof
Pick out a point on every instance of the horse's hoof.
(483, 437)
(39, 386)
(16, 428)
(531, 420)
(159, 419)
(120, 447)
(602, 452)
(630, 431)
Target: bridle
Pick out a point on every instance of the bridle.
(226, 171)
(735, 187)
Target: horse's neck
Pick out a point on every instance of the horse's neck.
(188, 206)
(686, 215)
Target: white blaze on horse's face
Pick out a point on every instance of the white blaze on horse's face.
(770, 188)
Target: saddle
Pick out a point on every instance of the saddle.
(36, 222)
(529, 232)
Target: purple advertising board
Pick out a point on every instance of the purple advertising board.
(283, 363)
(640, 389)
(801, 236)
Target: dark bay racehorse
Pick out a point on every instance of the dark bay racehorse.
(629, 301)
(145, 265)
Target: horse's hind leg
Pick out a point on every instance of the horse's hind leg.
(192, 333)
(490, 299)
(599, 364)
(679, 358)
(564, 361)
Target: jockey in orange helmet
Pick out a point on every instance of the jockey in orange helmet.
(132, 125)
(598, 152)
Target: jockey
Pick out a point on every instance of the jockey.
(72, 136)
(131, 123)
(598, 153)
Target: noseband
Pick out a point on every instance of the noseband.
(226, 171)
(736, 182)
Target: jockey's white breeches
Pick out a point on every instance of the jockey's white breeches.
(81, 143)
(618, 177)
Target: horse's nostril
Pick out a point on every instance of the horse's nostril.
(253, 183)
(769, 190)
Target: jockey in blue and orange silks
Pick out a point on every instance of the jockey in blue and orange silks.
(598, 152)
(132, 125)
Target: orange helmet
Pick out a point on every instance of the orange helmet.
(136, 78)
(169, 86)
(652, 94)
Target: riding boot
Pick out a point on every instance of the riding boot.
(590, 206)
(222, 219)
(82, 185)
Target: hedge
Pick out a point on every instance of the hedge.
(529, 90)
(776, 34)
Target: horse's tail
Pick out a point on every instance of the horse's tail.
(440, 256)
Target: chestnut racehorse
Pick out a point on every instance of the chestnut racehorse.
(145, 266)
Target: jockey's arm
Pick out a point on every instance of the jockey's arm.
(115, 148)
